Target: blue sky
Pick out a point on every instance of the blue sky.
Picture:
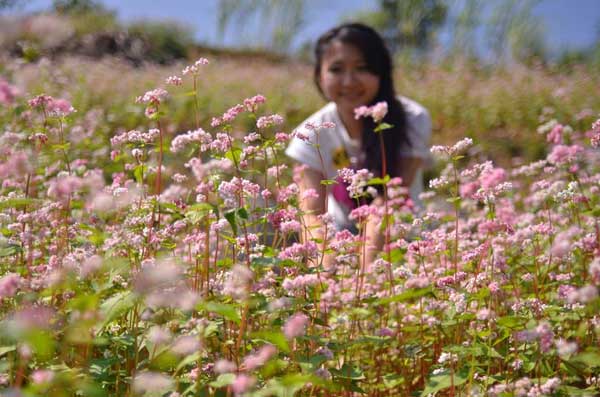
(569, 24)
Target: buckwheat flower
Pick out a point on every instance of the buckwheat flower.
(42, 376)
(438, 183)
(290, 226)
(565, 348)
(594, 271)
(269, 121)
(461, 146)
(224, 366)
(417, 282)
(186, 345)
(242, 383)
(323, 373)
(9, 284)
(562, 154)
(378, 111)
(60, 107)
(251, 104)
(309, 194)
(595, 140)
(585, 294)
(152, 382)
(153, 97)
(516, 364)
(40, 100)
(159, 335)
(596, 126)
(362, 213)
(238, 282)
(282, 137)
(8, 92)
(173, 80)
(550, 386)
(300, 135)
(446, 357)
(295, 326)
(546, 336)
(361, 111)
(258, 359)
(484, 314)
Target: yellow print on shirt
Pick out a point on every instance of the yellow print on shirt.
(340, 158)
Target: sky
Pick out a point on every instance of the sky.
(569, 24)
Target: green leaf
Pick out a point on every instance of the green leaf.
(443, 381)
(591, 358)
(10, 250)
(405, 296)
(230, 216)
(228, 311)
(328, 182)
(223, 380)
(510, 322)
(242, 213)
(16, 202)
(379, 181)
(197, 212)
(61, 147)
(7, 349)
(382, 127)
(138, 173)
(276, 338)
(234, 155)
(116, 306)
(348, 372)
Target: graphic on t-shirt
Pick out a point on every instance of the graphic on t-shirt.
(340, 158)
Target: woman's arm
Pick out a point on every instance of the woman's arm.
(407, 168)
(312, 207)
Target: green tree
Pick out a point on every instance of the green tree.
(514, 32)
(464, 28)
(270, 23)
(408, 24)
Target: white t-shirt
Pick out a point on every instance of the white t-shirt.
(328, 150)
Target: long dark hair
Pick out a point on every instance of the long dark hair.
(379, 62)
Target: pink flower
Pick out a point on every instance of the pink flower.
(60, 107)
(555, 135)
(295, 326)
(7, 92)
(377, 111)
(9, 284)
(258, 359)
(251, 104)
(242, 383)
(562, 154)
(42, 376)
(40, 100)
(173, 80)
(224, 366)
(269, 121)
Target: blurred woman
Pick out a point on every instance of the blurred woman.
(353, 68)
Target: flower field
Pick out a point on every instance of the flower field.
(139, 259)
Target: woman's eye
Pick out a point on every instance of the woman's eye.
(362, 68)
(335, 69)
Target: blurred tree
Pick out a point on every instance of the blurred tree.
(515, 33)
(5, 4)
(80, 7)
(275, 22)
(408, 24)
(464, 28)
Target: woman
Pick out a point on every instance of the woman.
(354, 68)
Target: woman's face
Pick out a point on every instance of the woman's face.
(345, 78)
